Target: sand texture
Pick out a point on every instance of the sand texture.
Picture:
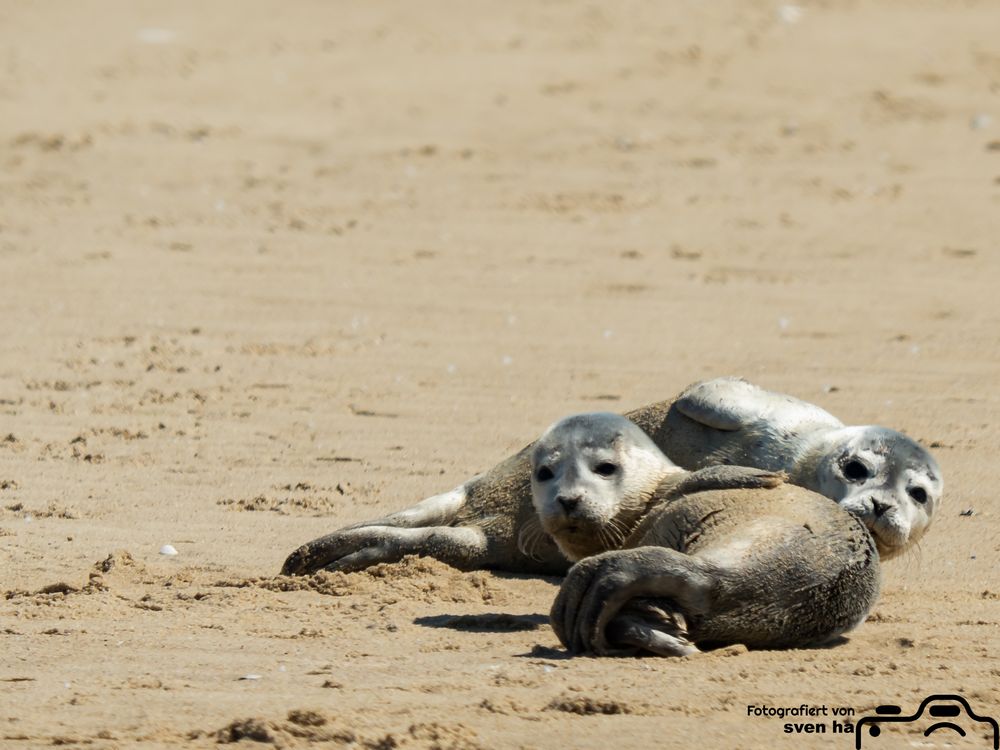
(271, 268)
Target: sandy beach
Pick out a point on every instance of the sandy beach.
(269, 269)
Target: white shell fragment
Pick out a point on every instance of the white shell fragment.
(155, 36)
(980, 121)
(168, 549)
(790, 14)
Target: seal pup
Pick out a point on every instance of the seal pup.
(670, 559)
(888, 480)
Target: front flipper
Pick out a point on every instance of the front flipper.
(727, 404)
(733, 404)
(598, 587)
(357, 548)
(725, 477)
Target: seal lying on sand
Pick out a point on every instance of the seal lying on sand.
(670, 559)
(883, 477)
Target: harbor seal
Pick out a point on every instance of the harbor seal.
(667, 560)
(883, 477)
(888, 480)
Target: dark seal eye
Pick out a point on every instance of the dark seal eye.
(855, 471)
(919, 494)
(606, 469)
(543, 474)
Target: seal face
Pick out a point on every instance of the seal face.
(592, 475)
(884, 478)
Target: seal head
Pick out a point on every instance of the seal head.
(884, 478)
(592, 478)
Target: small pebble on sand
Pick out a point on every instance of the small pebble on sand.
(789, 14)
(980, 121)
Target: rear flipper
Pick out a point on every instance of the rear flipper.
(384, 539)
(357, 548)
(437, 510)
(650, 625)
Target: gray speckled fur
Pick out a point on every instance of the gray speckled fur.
(811, 573)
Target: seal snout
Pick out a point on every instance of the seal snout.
(880, 508)
(887, 522)
(877, 511)
(569, 502)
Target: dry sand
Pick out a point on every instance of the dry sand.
(270, 268)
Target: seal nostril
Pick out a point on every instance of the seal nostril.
(879, 508)
(568, 503)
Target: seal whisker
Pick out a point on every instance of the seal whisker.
(536, 542)
(609, 536)
(529, 537)
(602, 538)
(914, 555)
(618, 531)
